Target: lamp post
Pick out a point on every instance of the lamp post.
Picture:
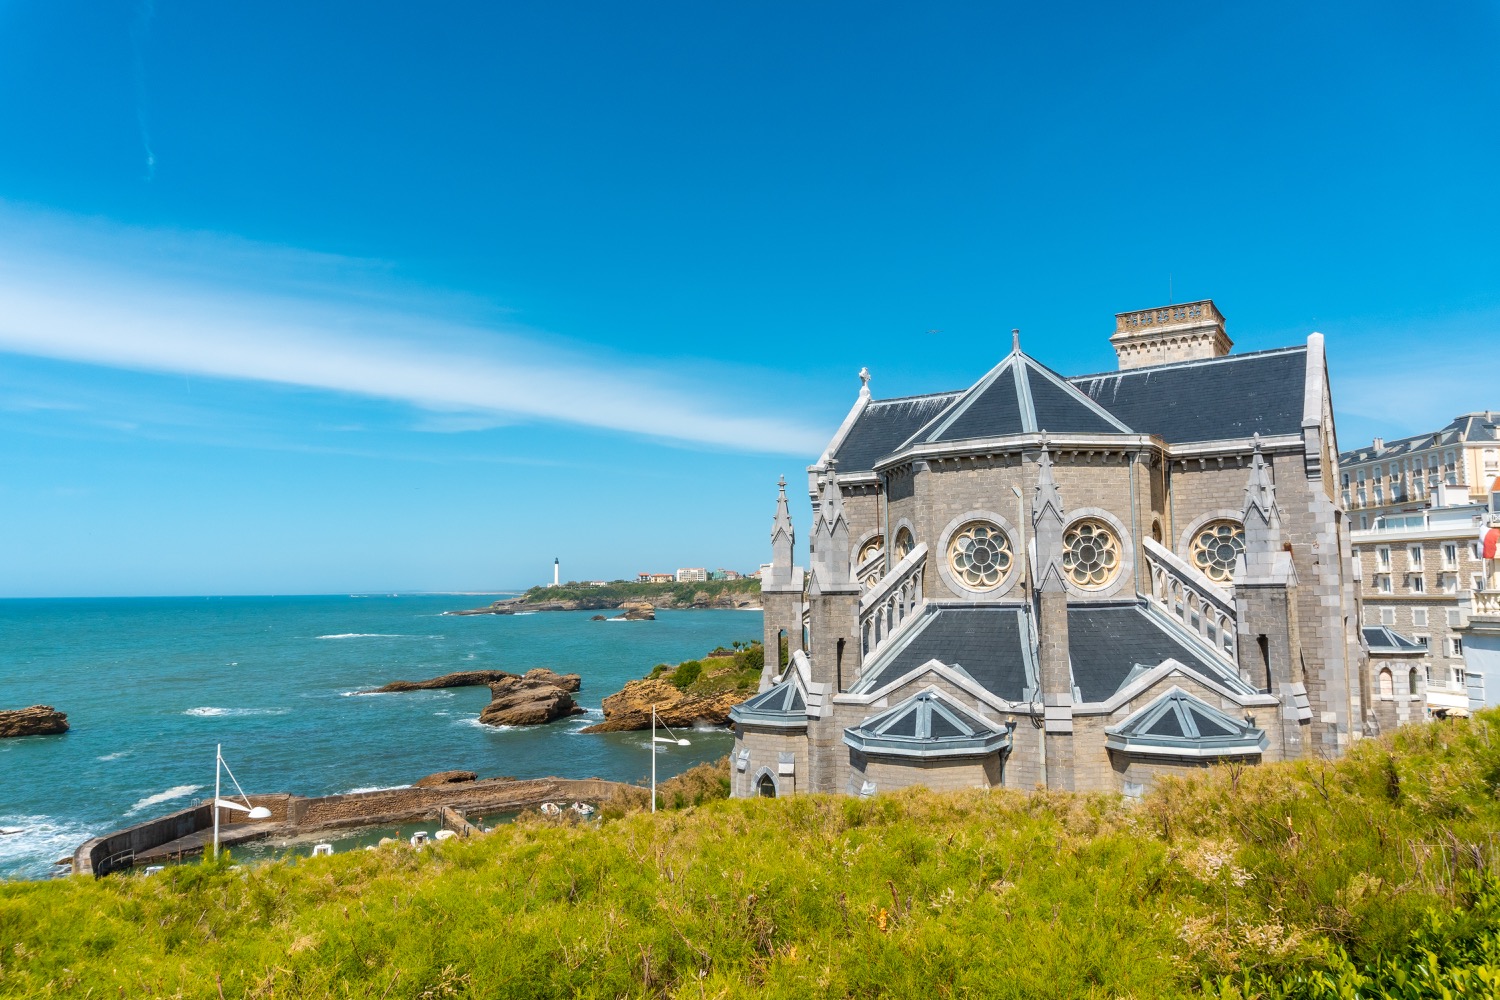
(655, 740)
(254, 812)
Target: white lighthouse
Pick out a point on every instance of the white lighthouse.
(556, 569)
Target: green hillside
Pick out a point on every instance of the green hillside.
(1291, 880)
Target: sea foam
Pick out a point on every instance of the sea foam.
(210, 712)
(42, 840)
(364, 635)
(175, 792)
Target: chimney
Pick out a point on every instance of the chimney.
(1379, 445)
(1189, 332)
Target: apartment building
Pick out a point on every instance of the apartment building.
(1406, 475)
(1418, 575)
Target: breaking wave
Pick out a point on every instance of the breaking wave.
(175, 792)
(42, 840)
(209, 712)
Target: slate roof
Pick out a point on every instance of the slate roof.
(1209, 400)
(992, 645)
(883, 425)
(783, 706)
(1180, 724)
(1469, 427)
(1388, 642)
(1019, 396)
(1109, 643)
(928, 724)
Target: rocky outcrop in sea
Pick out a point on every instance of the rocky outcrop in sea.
(529, 699)
(38, 720)
(630, 709)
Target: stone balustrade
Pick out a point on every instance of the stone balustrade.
(1188, 313)
(1486, 604)
(896, 597)
(1191, 598)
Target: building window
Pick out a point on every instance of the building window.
(1478, 581)
(1383, 582)
(1091, 555)
(979, 555)
(1411, 682)
(1449, 583)
(1383, 557)
(1456, 648)
(1414, 556)
(1417, 584)
(904, 544)
(1419, 617)
(1458, 678)
(1215, 549)
(1453, 618)
(1421, 640)
(1450, 555)
(870, 550)
(1387, 687)
(1387, 616)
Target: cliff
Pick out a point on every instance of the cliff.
(38, 720)
(691, 693)
(711, 594)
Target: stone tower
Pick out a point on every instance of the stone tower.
(833, 622)
(1054, 664)
(1187, 332)
(780, 593)
(1265, 597)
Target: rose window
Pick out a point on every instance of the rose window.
(979, 555)
(1091, 555)
(870, 550)
(904, 544)
(1215, 549)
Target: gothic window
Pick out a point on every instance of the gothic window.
(979, 555)
(1215, 548)
(904, 544)
(870, 550)
(766, 788)
(1091, 554)
(1387, 687)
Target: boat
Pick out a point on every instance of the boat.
(419, 839)
(551, 810)
(445, 835)
(584, 810)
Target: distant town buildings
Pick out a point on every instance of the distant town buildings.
(692, 575)
(656, 578)
(1407, 474)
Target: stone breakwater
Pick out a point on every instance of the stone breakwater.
(38, 720)
(529, 699)
(188, 831)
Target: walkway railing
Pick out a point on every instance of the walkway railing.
(1487, 603)
(895, 598)
(869, 571)
(1191, 598)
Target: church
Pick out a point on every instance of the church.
(1066, 582)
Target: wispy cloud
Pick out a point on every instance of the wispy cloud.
(208, 306)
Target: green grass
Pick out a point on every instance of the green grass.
(736, 668)
(1259, 881)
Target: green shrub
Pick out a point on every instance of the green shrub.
(686, 673)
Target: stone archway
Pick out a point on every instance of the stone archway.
(766, 787)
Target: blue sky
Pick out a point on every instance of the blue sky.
(305, 298)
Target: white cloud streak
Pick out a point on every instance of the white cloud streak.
(219, 307)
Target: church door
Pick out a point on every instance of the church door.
(767, 787)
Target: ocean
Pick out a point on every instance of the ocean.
(150, 685)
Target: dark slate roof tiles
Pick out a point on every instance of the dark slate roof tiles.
(986, 642)
(884, 425)
(1213, 400)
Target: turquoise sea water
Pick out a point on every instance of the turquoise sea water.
(150, 685)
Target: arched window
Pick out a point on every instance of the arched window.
(1387, 685)
(1215, 548)
(1412, 681)
(904, 543)
(767, 787)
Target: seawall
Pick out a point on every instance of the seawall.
(186, 831)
